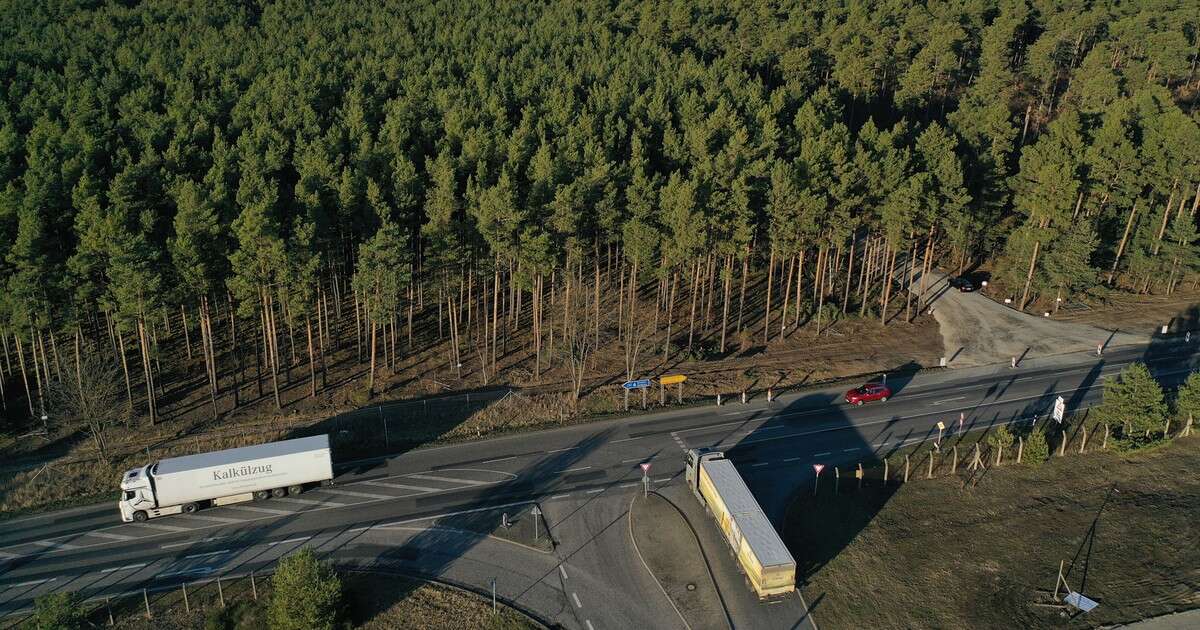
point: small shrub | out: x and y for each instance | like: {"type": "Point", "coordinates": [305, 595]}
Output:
{"type": "Point", "coordinates": [1001, 437]}
{"type": "Point", "coordinates": [307, 594]}
{"type": "Point", "coordinates": [58, 611]}
{"type": "Point", "coordinates": [1037, 449]}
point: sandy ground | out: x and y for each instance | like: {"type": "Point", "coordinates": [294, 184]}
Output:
{"type": "Point", "coordinates": [1179, 621]}
{"type": "Point", "coordinates": [977, 330]}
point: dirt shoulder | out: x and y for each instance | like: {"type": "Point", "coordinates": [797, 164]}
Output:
{"type": "Point", "coordinates": [943, 554]}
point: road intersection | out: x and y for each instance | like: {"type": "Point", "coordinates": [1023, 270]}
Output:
{"type": "Point", "coordinates": [379, 511]}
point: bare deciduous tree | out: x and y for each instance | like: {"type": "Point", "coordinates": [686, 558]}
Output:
{"type": "Point", "coordinates": [91, 402]}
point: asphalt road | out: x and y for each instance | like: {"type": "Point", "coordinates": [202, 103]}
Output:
{"type": "Point", "coordinates": [379, 511]}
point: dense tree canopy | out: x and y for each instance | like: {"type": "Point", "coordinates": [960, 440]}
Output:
{"type": "Point", "coordinates": [169, 154]}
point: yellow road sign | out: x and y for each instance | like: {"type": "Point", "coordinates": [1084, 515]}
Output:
{"type": "Point", "coordinates": [672, 379]}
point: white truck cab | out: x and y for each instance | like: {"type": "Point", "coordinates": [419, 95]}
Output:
{"type": "Point", "coordinates": [137, 495]}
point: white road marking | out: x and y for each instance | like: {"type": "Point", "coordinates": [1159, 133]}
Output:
{"type": "Point", "coordinates": [366, 495]}
{"type": "Point", "coordinates": [628, 485]}
{"type": "Point", "coordinates": [219, 519]}
{"type": "Point", "coordinates": [54, 545]}
{"type": "Point", "coordinates": [560, 450]}
{"type": "Point", "coordinates": [595, 491]}
{"type": "Point", "coordinates": [758, 464]}
{"type": "Point", "coordinates": [820, 454]}
{"type": "Point", "coordinates": [559, 472]}
{"type": "Point", "coordinates": [310, 502]}
{"type": "Point", "coordinates": [850, 450]}
{"type": "Point", "coordinates": [575, 597]}
{"type": "Point", "coordinates": [124, 568]}
{"type": "Point", "coordinates": [255, 508]}
{"type": "Point", "coordinates": [207, 554]}
{"type": "Point", "coordinates": [629, 439]}
{"type": "Point", "coordinates": [165, 528]}
{"type": "Point", "coordinates": [792, 459]}
{"type": "Point", "coordinates": [500, 459]}
{"type": "Point", "coordinates": [400, 486]}
{"type": "Point", "coordinates": [589, 624]}
{"type": "Point", "coordinates": [946, 400]}
{"type": "Point", "coordinates": [663, 480]}
{"type": "Point", "coordinates": [470, 482]}
{"type": "Point", "coordinates": [635, 459]}
{"type": "Point", "coordinates": [562, 571]}
{"type": "Point", "coordinates": [33, 582]}
{"type": "Point", "coordinates": [761, 429]}
{"type": "Point", "coordinates": [191, 542]}
{"type": "Point", "coordinates": [111, 536]}
{"type": "Point", "coordinates": [560, 496]}
{"type": "Point", "coordinates": [290, 540]}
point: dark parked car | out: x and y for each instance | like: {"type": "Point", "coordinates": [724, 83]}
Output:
{"type": "Point", "coordinates": [962, 284]}
{"type": "Point", "coordinates": [867, 393]}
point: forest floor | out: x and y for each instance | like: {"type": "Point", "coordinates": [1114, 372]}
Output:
{"type": "Point", "coordinates": [944, 553]}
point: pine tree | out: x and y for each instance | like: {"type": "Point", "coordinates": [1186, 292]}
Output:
{"type": "Point", "coordinates": [1133, 402]}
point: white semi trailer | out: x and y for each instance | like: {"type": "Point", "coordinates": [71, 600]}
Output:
{"type": "Point", "coordinates": [193, 482]}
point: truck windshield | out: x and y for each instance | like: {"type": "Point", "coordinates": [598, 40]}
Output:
{"type": "Point", "coordinates": [128, 495]}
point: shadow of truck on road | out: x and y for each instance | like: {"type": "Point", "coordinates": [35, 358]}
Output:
{"type": "Point", "coordinates": [776, 459]}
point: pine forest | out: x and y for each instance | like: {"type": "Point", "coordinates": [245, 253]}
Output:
{"type": "Point", "coordinates": [239, 199]}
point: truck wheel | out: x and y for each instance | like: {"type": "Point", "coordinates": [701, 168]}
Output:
{"type": "Point", "coordinates": [190, 508]}
{"type": "Point", "coordinates": [296, 489]}
{"type": "Point", "coordinates": [141, 516]}
{"type": "Point", "coordinates": [859, 402]}
{"type": "Point", "coordinates": [279, 493]}
{"type": "Point", "coordinates": [261, 495]}
{"type": "Point", "coordinates": [884, 399]}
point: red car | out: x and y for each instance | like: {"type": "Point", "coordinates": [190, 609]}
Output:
{"type": "Point", "coordinates": [867, 393]}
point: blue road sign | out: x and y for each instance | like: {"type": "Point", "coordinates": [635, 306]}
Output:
{"type": "Point", "coordinates": [639, 384]}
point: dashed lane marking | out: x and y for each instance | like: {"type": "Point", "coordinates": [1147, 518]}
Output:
{"type": "Point", "coordinates": [111, 536]}
{"type": "Point", "coordinates": [470, 482]}
{"type": "Point", "coordinates": [400, 486]}
{"type": "Point", "coordinates": [263, 510]}
{"type": "Point", "coordinates": [559, 472]}
{"type": "Point", "coordinates": [758, 464]}
{"type": "Point", "coordinates": [820, 454]}
{"type": "Point", "coordinates": [290, 540]}
{"type": "Point", "coordinates": [499, 459]}
{"type": "Point", "coordinates": [850, 450]}
{"type": "Point", "coordinates": [165, 528]}
{"type": "Point", "coordinates": [560, 450]}
{"type": "Point", "coordinates": [366, 495]}
{"type": "Point", "coordinates": [792, 459]}
{"type": "Point", "coordinates": [662, 480]}
{"type": "Point", "coordinates": [54, 545]}
{"type": "Point", "coordinates": [124, 568]}
{"type": "Point", "coordinates": [560, 496]}
{"type": "Point", "coordinates": [595, 491]}
{"type": "Point", "coordinates": [33, 582]}
{"type": "Point", "coordinates": [311, 502]}
{"type": "Point", "coordinates": [562, 571]}
{"type": "Point", "coordinates": [589, 624]}
{"type": "Point", "coordinates": [192, 542]}
{"type": "Point", "coordinates": [575, 597]}
{"type": "Point", "coordinates": [219, 519]}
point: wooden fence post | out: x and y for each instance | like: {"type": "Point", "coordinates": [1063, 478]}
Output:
{"type": "Point", "coordinates": [999, 453]}
{"type": "Point", "coordinates": [929, 475]}
{"type": "Point", "coordinates": [108, 606]}
{"type": "Point", "coordinates": [885, 471]}
{"type": "Point", "coordinates": [1062, 446]}
{"type": "Point", "coordinates": [1104, 442]}
{"type": "Point", "coordinates": [976, 461]}
{"type": "Point", "coordinates": [1082, 440]}
{"type": "Point", "coordinates": [146, 600]}
{"type": "Point", "coordinates": [1167, 428]}
{"type": "Point", "coordinates": [837, 480]}
{"type": "Point", "coordinates": [905, 468]}
{"type": "Point", "coordinates": [954, 460]}
{"type": "Point", "coordinates": [220, 592]}
{"type": "Point", "coordinates": [1020, 448]}
{"type": "Point", "coordinates": [253, 587]}
{"type": "Point", "coordinates": [186, 607]}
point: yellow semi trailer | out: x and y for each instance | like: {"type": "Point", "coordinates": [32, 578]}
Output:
{"type": "Point", "coordinates": [767, 564]}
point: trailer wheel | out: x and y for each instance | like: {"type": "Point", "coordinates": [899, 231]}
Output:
{"type": "Point", "coordinates": [261, 495]}
{"type": "Point", "coordinates": [279, 493]}
{"type": "Point", "coordinates": [141, 516]}
{"type": "Point", "coordinates": [296, 489]}
{"type": "Point", "coordinates": [190, 508]}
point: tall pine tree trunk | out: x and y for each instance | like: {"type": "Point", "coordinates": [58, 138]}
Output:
{"type": "Point", "coordinates": [1112, 272]}
{"type": "Point", "coordinates": [725, 301]}
{"type": "Point", "coordinates": [25, 375]}
{"type": "Point", "coordinates": [767, 308]}
{"type": "Point", "coordinates": [787, 295]}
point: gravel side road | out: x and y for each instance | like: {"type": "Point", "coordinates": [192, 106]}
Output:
{"type": "Point", "coordinates": [977, 330]}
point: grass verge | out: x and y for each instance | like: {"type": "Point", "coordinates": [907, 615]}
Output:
{"type": "Point", "coordinates": [948, 552]}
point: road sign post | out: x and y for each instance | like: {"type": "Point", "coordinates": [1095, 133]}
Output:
{"type": "Point", "coordinates": [817, 480]}
{"type": "Point", "coordinates": [941, 426]}
{"type": "Point", "coordinates": [1060, 408]}
{"type": "Point", "coordinates": [962, 417]}
{"type": "Point", "coordinates": [536, 513]}
{"type": "Point", "coordinates": [645, 479]}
